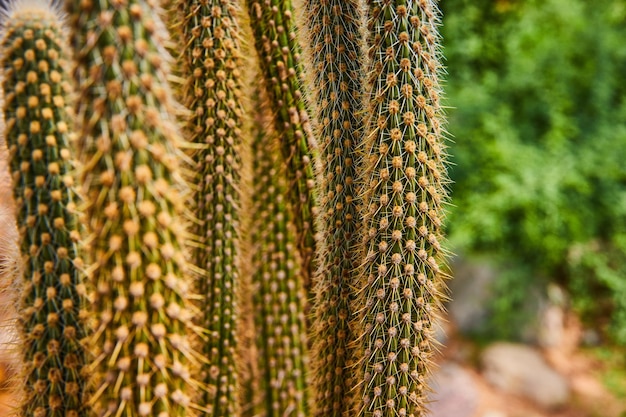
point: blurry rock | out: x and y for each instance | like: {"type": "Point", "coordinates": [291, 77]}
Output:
{"type": "Point", "coordinates": [454, 392]}
{"type": "Point", "coordinates": [526, 413]}
{"type": "Point", "coordinates": [551, 328]}
{"type": "Point", "coordinates": [491, 413]}
{"type": "Point", "coordinates": [470, 290]}
{"type": "Point", "coordinates": [520, 370]}
{"type": "Point", "coordinates": [552, 318]}
{"type": "Point", "coordinates": [591, 337]}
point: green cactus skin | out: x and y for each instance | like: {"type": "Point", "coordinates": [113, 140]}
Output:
{"type": "Point", "coordinates": [136, 192]}
{"type": "Point", "coordinates": [212, 58]}
{"type": "Point", "coordinates": [273, 27]}
{"type": "Point", "coordinates": [277, 287]}
{"type": "Point", "coordinates": [38, 130]}
{"type": "Point", "coordinates": [334, 32]}
{"type": "Point", "coordinates": [405, 180]}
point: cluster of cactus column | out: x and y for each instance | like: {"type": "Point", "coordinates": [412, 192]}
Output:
{"type": "Point", "coordinates": [297, 177]}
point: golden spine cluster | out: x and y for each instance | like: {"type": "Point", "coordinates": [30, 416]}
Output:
{"type": "Point", "coordinates": [38, 132]}
{"type": "Point", "coordinates": [405, 180]}
{"type": "Point", "coordinates": [212, 93]}
{"type": "Point", "coordinates": [136, 197]}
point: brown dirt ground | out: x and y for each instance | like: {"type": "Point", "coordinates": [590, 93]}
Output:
{"type": "Point", "coordinates": [590, 398]}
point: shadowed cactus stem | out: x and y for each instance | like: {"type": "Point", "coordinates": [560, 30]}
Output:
{"type": "Point", "coordinates": [273, 27]}
{"type": "Point", "coordinates": [136, 196]}
{"type": "Point", "coordinates": [279, 297]}
{"type": "Point", "coordinates": [38, 131]}
{"type": "Point", "coordinates": [334, 47]}
{"type": "Point", "coordinates": [405, 189]}
{"type": "Point", "coordinates": [212, 92]}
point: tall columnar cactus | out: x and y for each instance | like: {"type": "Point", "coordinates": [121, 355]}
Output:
{"type": "Point", "coordinates": [278, 293]}
{"type": "Point", "coordinates": [38, 132]}
{"type": "Point", "coordinates": [212, 93]}
{"type": "Point", "coordinates": [335, 50]}
{"type": "Point", "coordinates": [405, 179]}
{"type": "Point", "coordinates": [136, 197]}
{"type": "Point", "coordinates": [273, 26]}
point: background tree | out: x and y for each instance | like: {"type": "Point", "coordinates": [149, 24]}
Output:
{"type": "Point", "coordinates": [537, 99]}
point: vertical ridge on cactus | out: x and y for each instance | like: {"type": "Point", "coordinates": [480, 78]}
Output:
{"type": "Point", "coordinates": [136, 193]}
{"type": "Point", "coordinates": [273, 27]}
{"type": "Point", "coordinates": [405, 180]}
{"type": "Point", "coordinates": [38, 130]}
{"type": "Point", "coordinates": [278, 293]}
{"type": "Point", "coordinates": [212, 92]}
{"type": "Point", "coordinates": [335, 48]}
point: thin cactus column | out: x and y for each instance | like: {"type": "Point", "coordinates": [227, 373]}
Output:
{"type": "Point", "coordinates": [335, 49]}
{"type": "Point", "coordinates": [136, 194]}
{"type": "Point", "coordinates": [38, 130]}
{"type": "Point", "coordinates": [212, 92]}
{"type": "Point", "coordinates": [278, 293]}
{"type": "Point", "coordinates": [405, 178]}
{"type": "Point", "coordinates": [273, 26]}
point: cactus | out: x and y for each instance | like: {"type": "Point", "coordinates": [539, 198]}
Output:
{"type": "Point", "coordinates": [136, 192]}
{"type": "Point", "coordinates": [277, 288]}
{"type": "Point", "coordinates": [334, 49]}
{"type": "Point", "coordinates": [134, 181]}
{"type": "Point", "coordinates": [405, 180]}
{"type": "Point", "coordinates": [273, 27]}
{"type": "Point", "coordinates": [212, 93]}
{"type": "Point", "coordinates": [38, 131]}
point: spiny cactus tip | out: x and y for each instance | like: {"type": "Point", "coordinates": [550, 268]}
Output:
{"type": "Point", "coordinates": [35, 8]}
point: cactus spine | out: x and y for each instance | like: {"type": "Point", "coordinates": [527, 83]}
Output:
{"type": "Point", "coordinates": [273, 27]}
{"type": "Point", "coordinates": [405, 180]}
{"type": "Point", "coordinates": [212, 58]}
{"type": "Point", "coordinates": [278, 292]}
{"type": "Point", "coordinates": [38, 134]}
{"type": "Point", "coordinates": [335, 49]}
{"type": "Point", "coordinates": [136, 197]}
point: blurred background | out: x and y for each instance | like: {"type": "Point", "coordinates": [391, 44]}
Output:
{"type": "Point", "coordinates": [537, 118]}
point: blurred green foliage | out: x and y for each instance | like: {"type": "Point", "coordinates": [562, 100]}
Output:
{"type": "Point", "coordinates": [537, 90]}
